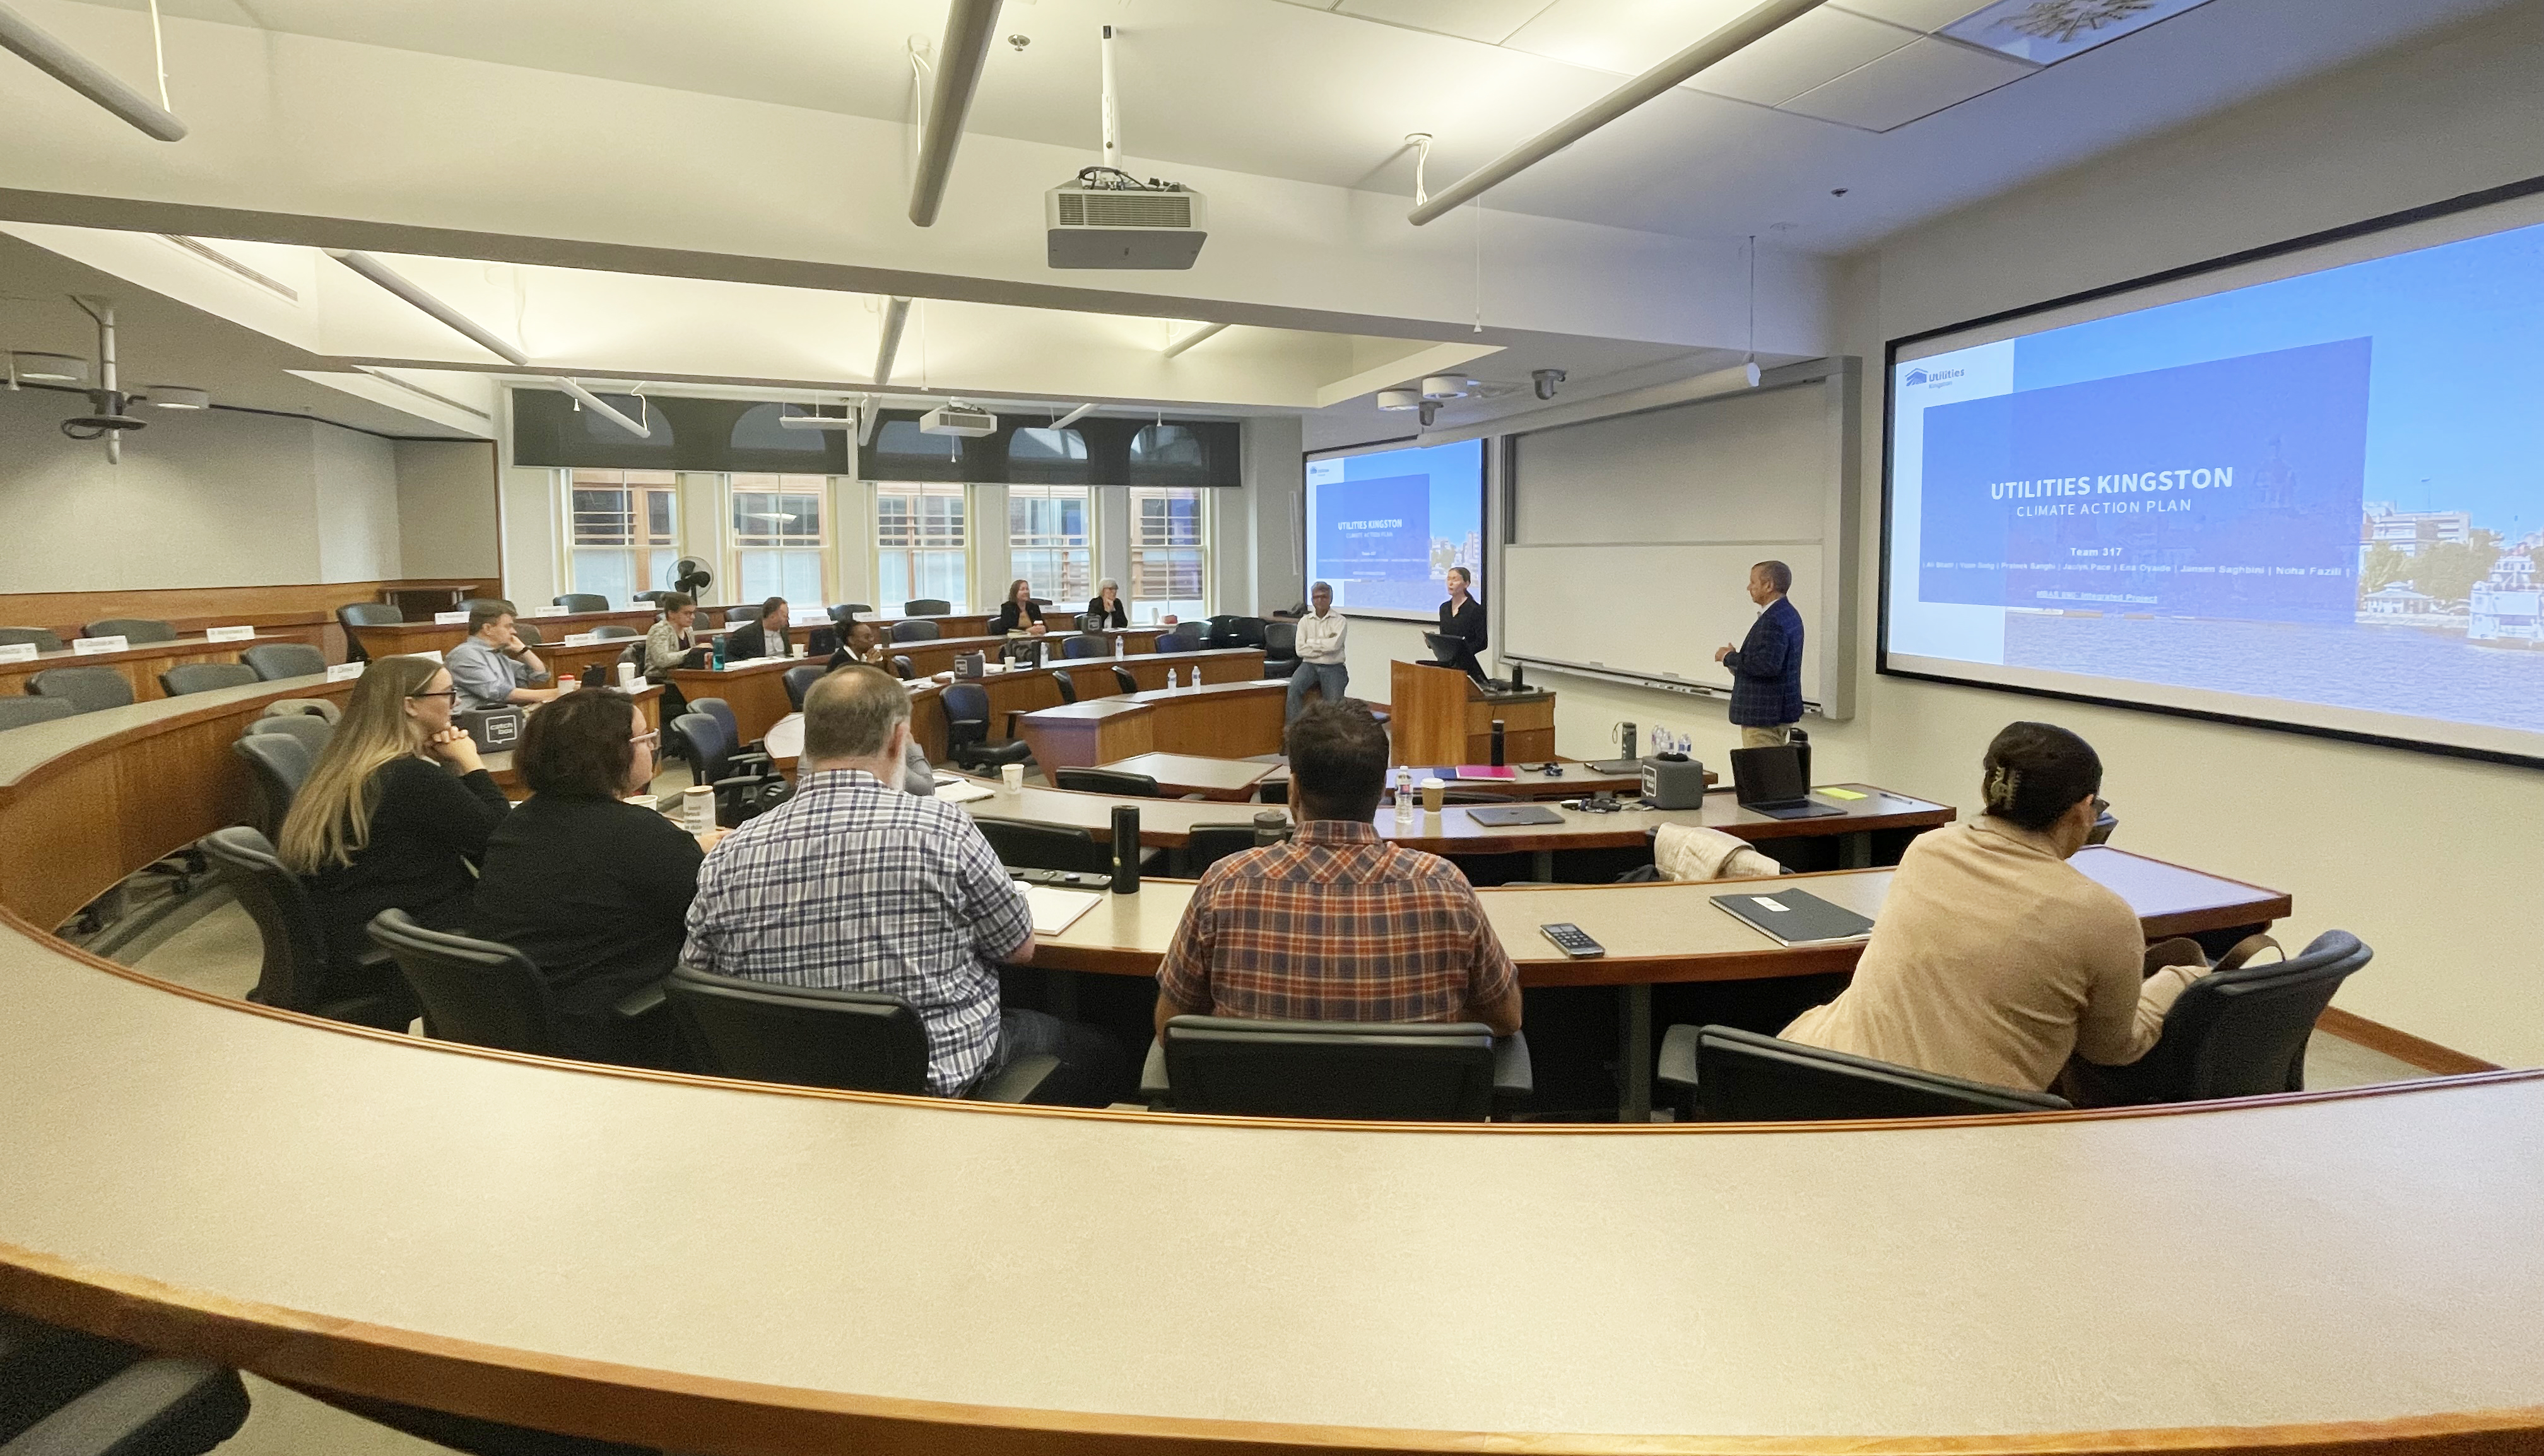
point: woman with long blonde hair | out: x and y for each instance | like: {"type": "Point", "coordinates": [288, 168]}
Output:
{"type": "Point", "coordinates": [1018, 613]}
{"type": "Point", "coordinates": [395, 811]}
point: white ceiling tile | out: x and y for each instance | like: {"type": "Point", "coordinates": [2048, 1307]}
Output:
{"type": "Point", "coordinates": [1812, 51]}
{"type": "Point", "coordinates": [1913, 81]}
{"type": "Point", "coordinates": [1488, 21]}
{"type": "Point", "coordinates": [1626, 36]}
{"type": "Point", "coordinates": [1921, 15]}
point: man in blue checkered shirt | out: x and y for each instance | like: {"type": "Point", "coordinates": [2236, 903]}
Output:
{"type": "Point", "coordinates": [853, 885]}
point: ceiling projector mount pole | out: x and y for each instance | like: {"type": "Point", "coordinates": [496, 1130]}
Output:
{"type": "Point", "coordinates": [1761, 22]}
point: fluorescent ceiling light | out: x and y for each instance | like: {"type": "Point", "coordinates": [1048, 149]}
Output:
{"type": "Point", "coordinates": [176, 397]}
{"type": "Point", "coordinates": [47, 368]}
{"type": "Point", "coordinates": [2046, 32]}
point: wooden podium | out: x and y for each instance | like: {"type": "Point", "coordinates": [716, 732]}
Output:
{"type": "Point", "coordinates": [1439, 715]}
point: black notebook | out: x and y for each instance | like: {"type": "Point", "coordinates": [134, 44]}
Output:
{"type": "Point", "coordinates": [1513, 814]}
{"type": "Point", "coordinates": [1795, 917]}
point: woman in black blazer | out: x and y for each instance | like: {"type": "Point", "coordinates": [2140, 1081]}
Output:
{"type": "Point", "coordinates": [1018, 613]}
{"type": "Point", "coordinates": [1106, 609]}
{"type": "Point", "coordinates": [1463, 617]}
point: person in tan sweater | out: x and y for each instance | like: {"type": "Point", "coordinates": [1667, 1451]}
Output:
{"type": "Point", "coordinates": [1993, 958]}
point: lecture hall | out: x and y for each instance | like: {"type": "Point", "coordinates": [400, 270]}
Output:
{"type": "Point", "coordinates": [1599, 727]}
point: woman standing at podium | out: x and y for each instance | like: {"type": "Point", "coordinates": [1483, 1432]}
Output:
{"type": "Point", "coordinates": [1463, 617]}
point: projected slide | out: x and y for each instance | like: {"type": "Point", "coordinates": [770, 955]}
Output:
{"type": "Point", "coordinates": [1384, 526]}
{"type": "Point", "coordinates": [2316, 499]}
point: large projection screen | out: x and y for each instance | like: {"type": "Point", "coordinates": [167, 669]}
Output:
{"type": "Point", "coordinates": [2303, 489]}
{"type": "Point", "coordinates": [1386, 522]}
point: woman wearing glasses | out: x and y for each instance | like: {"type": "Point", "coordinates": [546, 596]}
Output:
{"type": "Point", "coordinates": [595, 891]}
{"type": "Point", "coordinates": [393, 814]}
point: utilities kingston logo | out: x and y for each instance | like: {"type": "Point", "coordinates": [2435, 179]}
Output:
{"type": "Point", "coordinates": [1916, 377]}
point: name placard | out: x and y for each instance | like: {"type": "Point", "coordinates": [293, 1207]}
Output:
{"type": "Point", "coordinates": [229, 633]}
{"type": "Point", "coordinates": [17, 652]}
{"type": "Point", "coordinates": [344, 671]}
{"type": "Point", "coordinates": [88, 647]}
{"type": "Point", "coordinates": [548, 611]}
{"type": "Point", "coordinates": [584, 639]}
{"type": "Point", "coordinates": [447, 619]}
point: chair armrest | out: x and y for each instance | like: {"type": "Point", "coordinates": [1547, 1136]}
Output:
{"type": "Point", "coordinates": [644, 1001]}
{"type": "Point", "coordinates": [1016, 1081]}
{"type": "Point", "coordinates": [749, 757]}
{"type": "Point", "coordinates": [1678, 1059]}
{"type": "Point", "coordinates": [157, 1405]}
{"type": "Point", "coordinates": [1152, 1075]}
{"type": "Point", "coordinates": [1514, 1079]}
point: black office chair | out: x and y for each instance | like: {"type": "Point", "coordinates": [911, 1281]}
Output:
{"type": "Point", "coordinates": [324, 708]}
{"type": "Point", "coordinates": [901, 665]}
{"type": "Point", "coordinates": [2233, 1033]}
{"type": "Point", "coordinates": [1727, 1075]}
{"type": "Point", "coordinates": [204, 677]}
{"type": "Point", "coordinates": [1206, 845]}
{"type": "Point", "coordinates": [1065, 686]}
{"type": "Point", "coordinates": [1107, 781]}
{"type": "Point", "coordinates": [531, 636]}
{"type": "Point", "coordinates": [1167, 642]}
{"type": "Point", "coordinates": [582, 601]}
{"type": "Point", "coordinates": [1085, 645]}
{"type": "Point", "coordinates": [656, 597]}
{"type": "Point", "coordinates": [1028, 844]}
{"type": "Point", "coordinates": [22, 709]}
{"type": "Point", "coordinates": [355, 614]}
{"type": "Point", "coordinates": [807, 1036]}
{"type": "Point", "coordinates": [300, 971]}
{"type": "Point", "coordinates": [608, 631]}
{"type": "Point", "coordinates": [312, 730]}
{"type": "Point", "coordinates": [722, 712]}
{"type": "Point", "coordinates": [37, 637]}
{"type": "Point", "coordinates": [847, 612]}
{"type": "Point", "coordinates": [479, 603]}
{"type": "Point", "coordinates": [744, 782]}
{"type": "Point", "coordinates": [273, 660]}
{"type": "Point", "coordinates": [86, 689]}
{"type": "Point", "coordinates": [1125, 679]}
{"type": "Point", "coordinates": [799, 680]}
{"type": "Point", "coordinates": [1393, 1071]}
{"type": "Point", "coordinates": [473, 991]}
{"type": "Point", "coordinates": [1280, 649]}
{"type": "Point", "coordinates": [1221, 630]}
{"type": "Point", "coordinates": [2106, 825]}
{"type": "Point", "coordinates": [276, 764]}
{"type": "Point", "coordinates": [1190, 636]}
{"type": "Point", "coordinates": [63, 1393]}
{"type": "Point", "coordinates": [134, 630]}
{"type": "Point", "coordinates": [736, 616]}
{"type": "Point", "coordinates": [967, 730]}
{"type": "Point", "coordinates": [927, 606]}
{"type": "Point", "coordinates": [908, 630]}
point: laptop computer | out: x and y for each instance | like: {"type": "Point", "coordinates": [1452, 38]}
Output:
{"type": "Point", "coordinates": [1768, 780]}
{"type": "Point", "coordinates": [1511, 815]}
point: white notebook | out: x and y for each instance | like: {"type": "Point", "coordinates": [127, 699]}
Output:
{"type": "Point", "coordinates": [963, 791]}
{"type": "Point", "coordinates": [1056, 909]}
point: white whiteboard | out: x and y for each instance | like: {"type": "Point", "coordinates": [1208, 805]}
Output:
{"type": "Point", "coordinates": [1560, 607]}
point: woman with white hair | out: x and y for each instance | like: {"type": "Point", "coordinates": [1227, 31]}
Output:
{"type": "Point", "coordinates": [1106, 611]}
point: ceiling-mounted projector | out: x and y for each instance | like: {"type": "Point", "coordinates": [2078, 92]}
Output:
{"type": "Point", "coordinates": [960, 420]}
{"type": "Point", "coordinates": [1104, 219]}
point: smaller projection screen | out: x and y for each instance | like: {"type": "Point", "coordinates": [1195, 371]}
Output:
{"type": "Point", "coordinates": [1385, 523]}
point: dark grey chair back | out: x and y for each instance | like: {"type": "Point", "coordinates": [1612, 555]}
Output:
{"type": "Point", "coordinates": [902, 666]}
{"type": "Point", "coordinates": [722, 712]}
{"type": "Point", "coordinates": [204, 677]}
{"type": "Point", "coordinates": [1026, 844]}
{"type": "Point", "coordinates": [471, 990]}
{"type": "Point", "coordinates": [531, 634]}
{"type": "Point", "coordinates": [1125, 679]}
{"type": "Point", "coordinates": [1280, 641]}
{"type": "Point", "coordinates": [914, 631]}
{"type": "Point", "coordinates": [1745, 1077]}
{"type": "Point", "coordinates": [799, 680]}
{"type": "Point", "coordinates": [22, 709]}
{"type": "Point", "coordinates": [708, 743]}
{"type": "Point", "coordinates": [1425, 1071]}
{"type": "Point", "coordinates": [324, 708]}
{"type": "Point", "coordinates": [473, 603]}
{"type": "Point", "coordinates": [276, 764]}
{"type": "Point", "coordinates": [736, 616]}
{"type": "Point", "coordinates": [1087, 645]}
{"type": "Point", "coordinates": [927, 606]}
{"type": "Point", "coordinates": [1206, 845]}
{"type": "Point", "coordinates": [1190, 636]}
{"type": "Point", "coordinates": [1106, 781]}
{"type": "Point", "coordinates": [300, 971]}
{"type": "Point", "coordinates": [86, 689]}
{"type": "Point", "coordinates": [40, 638]}
{"type": "Point", "coordinates": [134, 630]}
{"type": "Point", "coordinates": [270, 660]}
{"type": "Point", "coordinates": [847, 612]}
{"type": "Point", "coordinates": [312, 730]}
{"type": "Point", "coordinates": [1066, 685]}
{"type": "Point", "coordinates": [2240, 1032]}
{"type": "Point", "coordinates": [856, 1040]}
{"type": "Point", "coordinates": [364, 614]}
{"type": "Point", "coordinates": [582, 601]}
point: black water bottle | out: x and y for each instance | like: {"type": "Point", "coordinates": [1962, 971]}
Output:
{"type": "Point", "coordinates": [1801, 742]}
{"type": "Point", "coordinates": [1497, 743]}
{"type": "Point", "coordinates": [1126, 848]}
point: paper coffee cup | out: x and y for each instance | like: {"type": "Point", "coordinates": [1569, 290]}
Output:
{"type": "Point", "coordinates": [798, 650]}
{"type": "Point", "coordinates": [1014, 774]}
{"type": "Point", "coordinates": [627, 677]}
{"type": "Point", "coordinates": [697, 808]}
{"type": "Point", "coordinates": [1432, 791]}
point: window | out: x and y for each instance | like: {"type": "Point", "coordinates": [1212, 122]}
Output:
{"type": "Point", "coordinates": [780, 537]}
{"type": "Point", "coordinates": [921, 546]}
{"type": "Point", "coordinates": [1166, 554]}
{"type": "Point", "coordinates": [1049, 541]}
{"type": "Point", "coordinates": [623, 530]}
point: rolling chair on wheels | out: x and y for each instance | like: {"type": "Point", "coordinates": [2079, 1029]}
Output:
{"type": "Point", "coordinates": [1396, 1071]}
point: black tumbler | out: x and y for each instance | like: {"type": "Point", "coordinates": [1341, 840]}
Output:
{"type": "Point", "coordinates": [1271, 827]}
{"type": "Point", "coordinates": [1126, 848]}
{"type": "Point", "coordinates": [1497, 743]}
{"type": "Point", "coordinates": [1801, 742]}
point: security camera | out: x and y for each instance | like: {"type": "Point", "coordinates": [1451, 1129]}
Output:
{"type": "Point", "coordinates": [1430, 413]}
{"type": "Point", "coordinates": [1545, 380]}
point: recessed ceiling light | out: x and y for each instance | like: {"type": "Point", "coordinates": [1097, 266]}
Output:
{"type": "Point", "coordinates": [2046, 32]}
{"type": "Point", "coordinates": [47, 368]}
{"type": "Point", "coordinates": [176, 397]}
{"type": "Point", "coordinates": [1447, 387]}
{"type": "Point", "coordinates": [1399, 399]}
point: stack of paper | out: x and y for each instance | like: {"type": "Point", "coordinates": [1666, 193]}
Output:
{"type": "Point", "coordinates": [1054, 910]}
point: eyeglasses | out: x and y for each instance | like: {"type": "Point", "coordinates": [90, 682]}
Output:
{"type": "Point", "coordinates": [451, 693]}
{"type": "Point", "coordinates": [649, 739]}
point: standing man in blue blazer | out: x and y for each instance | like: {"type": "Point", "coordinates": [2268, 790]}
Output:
{"type": "Point", "coordinates": [1767, 669]}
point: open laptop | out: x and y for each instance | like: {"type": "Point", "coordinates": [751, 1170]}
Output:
{"type": "Point", "coordinates": [1768, 780]}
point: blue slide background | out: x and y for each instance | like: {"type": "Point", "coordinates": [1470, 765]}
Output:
{"type": "Point", "coordinates": [1434, 497]}
{"type": "Point", "coordinates": [2023, 507]}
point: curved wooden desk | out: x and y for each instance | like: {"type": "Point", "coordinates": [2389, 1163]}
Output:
{"type": "Point", "coordinates": [718, 1268]}
{"type": "Point", "coordinates": [141, 664]}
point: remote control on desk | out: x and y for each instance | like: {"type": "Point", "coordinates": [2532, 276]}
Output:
{"type": "Point", "coordinates": [1572, 941]}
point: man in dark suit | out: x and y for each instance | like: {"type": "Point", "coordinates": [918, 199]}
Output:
{"type": "Point", "coordinates": [766, 637]}
{"type": "Point", "coordinates": [1767, 667]}
{"type": "Point", "coordinates": [1463, 617]}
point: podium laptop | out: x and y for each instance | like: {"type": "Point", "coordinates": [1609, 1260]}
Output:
{"type": "Point", "coordinates": [1768, 780]}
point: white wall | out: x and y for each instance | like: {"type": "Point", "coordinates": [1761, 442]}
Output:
{"type": "Point", "coordinates": [2437, 862]}
{"type": "Point", "coordinates": [353, 480]}
{"type": "Point", "coordinates": [445, 508]}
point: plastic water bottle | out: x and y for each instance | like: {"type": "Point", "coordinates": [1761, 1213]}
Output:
{"type": "Point", "coordinates": [1117, 647]}
{"type": "Point", "coordinates": [1403, 795]}
{"type": "Point", "coordinates": [723, 645]}
{"type": "Point", "coordinates": [1170, 679]}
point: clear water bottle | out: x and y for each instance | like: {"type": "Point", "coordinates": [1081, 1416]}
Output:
{"type": "Point", "coordinates": [1170, 679]}
{"type": "Point", "coordinates": [1117, 647]}
{"type": "Point", "coordinates": [1403, 795]}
